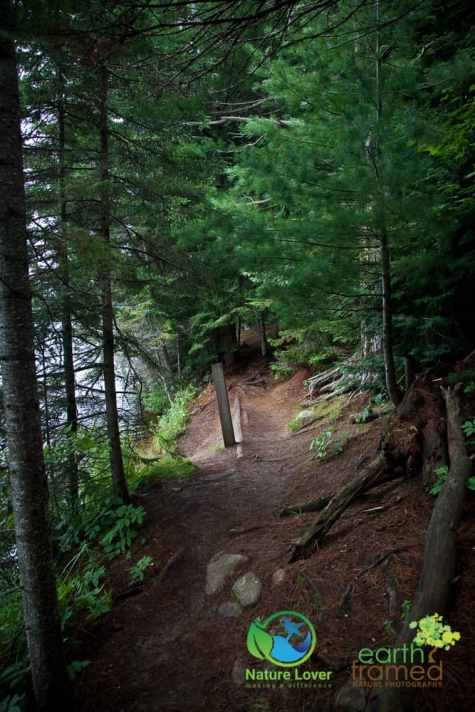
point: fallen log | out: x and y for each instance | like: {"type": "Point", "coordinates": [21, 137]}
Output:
{"type": "Point", "coordinates": [169, 563]}
{"type": "Point", "coordinates": [338, 504]}
{"type": "Point", "coordinates": [314, 506]}
{"type": "Point", "coordinates": [254, 382]}
{"type": "Point", "coordinates": [434, 592]}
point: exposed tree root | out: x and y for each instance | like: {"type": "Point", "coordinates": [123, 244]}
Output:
{"type": "Point", "coordinates": [382, 557]}
{"type": "Point", "coordinates": [338, 504]}
{"type": "Point", "coordinates": [434, 593]}
{"type": "Point", "coordinates": [314, 506]}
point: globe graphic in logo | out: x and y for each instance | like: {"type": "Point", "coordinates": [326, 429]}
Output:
{"type": "Point", "coordinates": [286, 638]}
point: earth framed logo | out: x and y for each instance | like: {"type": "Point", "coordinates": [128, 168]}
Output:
{"type": "Point", "coordinates": [286, 639]}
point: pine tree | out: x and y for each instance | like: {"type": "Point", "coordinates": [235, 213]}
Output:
{"type": "Point", "coordinates": [52, 689]}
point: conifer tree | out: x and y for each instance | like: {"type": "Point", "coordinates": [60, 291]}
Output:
{"type": "Point", "coordinates": [51, 686]}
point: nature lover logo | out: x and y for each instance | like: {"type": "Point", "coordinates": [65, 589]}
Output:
{"type": "Point", "coordinates": [285, 638]}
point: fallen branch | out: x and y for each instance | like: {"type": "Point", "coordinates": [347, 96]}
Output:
{"type": "Point", "coordinates": [133, 590]}
{"type": "Point", "coordinates": [358, 418]}
{"type": "Point", "coordinates": [202, 407]}
{"type": "Point", "coordinates": [340, 502]}
{"type": "Point", "coordinates": [169, 563]}
{"type": "Point", "coordinates": [315, 506]}
{"type": "Point", "coordinates": [309, 422]}
{"type": "Point", "coordinates": [344, 599]}
{"type": "Point", "coordinates": [255, 381]}
{"type": "Point", "coordinates": [316, 595]}
{"type": "Point", "coordinates": [382, 557]}
{"type": "Point", "coordinates": [244, 530]}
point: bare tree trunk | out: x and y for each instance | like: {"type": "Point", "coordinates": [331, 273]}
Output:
{"type": "Point", "coordinates": [388, 353]}
{"type": "Point", "coordinates": [66, 320]}
{"type": "Point", "coordinates": [112, 417]}
{"type": "Point", "coordinates": [389, 367]}
{"type": "Point", "coordinates": [51, 685]}
{"type": "Point", "coordinates": [262, 332]}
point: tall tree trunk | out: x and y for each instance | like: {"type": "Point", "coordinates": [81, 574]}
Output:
{"type": "Point", "coordinates": [262, 333]}
{"type": "Point", "coordinates": [394, 392]}
{"type": "Point", "coordinates": [66, 320]}
{"type": "Point", "coordinates": [51, 685]}
{"type": "Point", "coordinates": [112, 417]}
{"type": "Point", "coordinates": [389, 366]}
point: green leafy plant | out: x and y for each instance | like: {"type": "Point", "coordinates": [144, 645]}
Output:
{"type": "Point", "coordinates": [405, 609]}
{"type": "Point", "coordinates": [320, 445]}
{"type": "Point", "coordinates": [388, 627]}
{"type": "Point", "coordinates": [364, 415]}
{"type": "Point", "coordinates": [14, 679]}
{"type": "Point", "coordinates": [281, 369]}
{"type": "Point", "coordinates": [80, 587]}
{"type": "Point", "coordinates": [469, 388]}
{"type": "Point", "coordinates": [337, 447]}
{"type": "Point", "coordinates": [173, 421]}
{"type": "Point", "coordinates": [109, 522]}
{"type": "Point", "coordinates": [137, 572]}
{"type": "Point", "coordinates": [76, 666]}
{"type": "Point", "coordinates": [120, 535]}
{"type": "Point", "coordinates": [12, 703]}
{"type": "Point", "coordinates": [469, 429]}
{"type": "Point", "coordinates": [323, 446]}
{"type": "Point", "coordinates": [441, 473]}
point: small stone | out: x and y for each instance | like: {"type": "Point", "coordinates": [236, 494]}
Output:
{"type": "Point", "coordinates": [304, 414]}
{"type": "Point", "coordinates": [238, 675]}
{"type": "Point", "coordinates": [350, 699]}
{"type": "Point", "coordinates": [230, 609]}
{"type": "Point", "coordinates": [248, 589]}
{"type": "Point", "coordinates": [278, 576]}
{"type": "Point", "coordinates": [219, 568]}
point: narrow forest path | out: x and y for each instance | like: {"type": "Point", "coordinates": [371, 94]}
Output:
{"type": "Point", "coordinates": [170, 648]}
{"type": "Point", "coordinates": [172, 643]}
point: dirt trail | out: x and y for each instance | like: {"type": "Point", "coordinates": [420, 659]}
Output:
{"type": "Point", "coordinates": [168, 648]}
{"type": "Point", "coordinates": [163, 633]}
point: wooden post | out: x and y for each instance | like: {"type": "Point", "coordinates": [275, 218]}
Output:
{"type": "Point", "coordinates": [237, 425]}
{"type": "Point", "coordinates": [223, 404]}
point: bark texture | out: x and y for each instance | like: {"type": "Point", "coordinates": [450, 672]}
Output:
{"type": "Point", "coordinates": [51, 684]}
{"type": "Point", "coordinates": [112, 416]}
{"type": "Point", "coordinates": [66, 318]}
{"type": "Point", "coordinates": [389, 366]}
{"type": "Point", "coordinates": [434, 592]}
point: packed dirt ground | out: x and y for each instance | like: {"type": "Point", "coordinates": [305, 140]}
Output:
{"type": "Point", "coordinates": [168, 647]}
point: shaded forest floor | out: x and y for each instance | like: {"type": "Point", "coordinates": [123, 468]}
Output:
{"type": "Point", "coordinates": [168, 647]}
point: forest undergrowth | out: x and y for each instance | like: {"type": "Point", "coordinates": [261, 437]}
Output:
{"type": "Point", "coordinates": [164, 644]}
